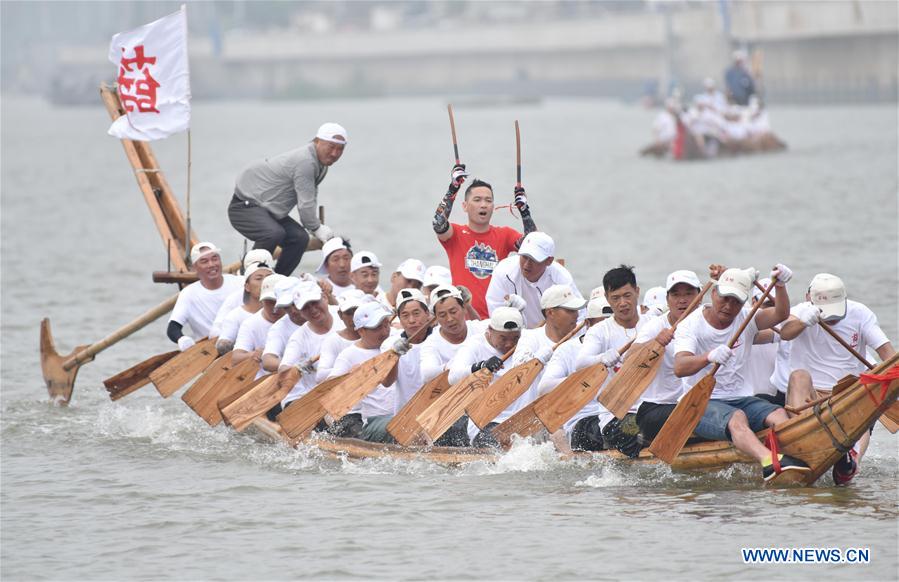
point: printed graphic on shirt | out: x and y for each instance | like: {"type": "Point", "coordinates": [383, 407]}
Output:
{"type": "Point", "coordinates": [480, 260]}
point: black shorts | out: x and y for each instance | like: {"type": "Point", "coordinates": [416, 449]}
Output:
{"type": "Point", "coordinates": [778, 399]}
{"type": "Point", "coordinates": [587, 436]}
{"type": "Point", "coordinates": [651, 417]}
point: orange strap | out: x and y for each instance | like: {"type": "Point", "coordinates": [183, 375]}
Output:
{"type": "Point", "coordinates": [883, 379]}
{"type": "Point", "coordinates": [771, 443]}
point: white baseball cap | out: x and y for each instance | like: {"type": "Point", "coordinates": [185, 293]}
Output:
{"type": "Point", "coordinates": [370, 315]}
{"type": "Point", "coordinates": [437, 275]}
{"type": "Point", "coordinates": [598, 307]}
{"type": "Point", "coordinates": [333, 244]}
{"type": "Point", "coordinates": [332, 132]}
{"type": "Point", "coordinates": [828, 293]}
{"type": "Point", "coordinates": [538, 246]}
{"type": "Point", "coordinates": [253, 267]}
{"type": "Point", "coordinates": [258, 256]}
{"type": "Point", "coordinates": [352, 299]}
{"type": "Point", "coordinates": [655, 296]}
{"type": "Point", "coordinates": [441, 292]}
{"type": "Point", "coordinates": [268, 286]}
{"type": "Point", "coordinates": [561, 296]}
{"type": "Point", "coordinates": [735, 283]}
{"type": "Point", "coordinates": [410, 294]}
{"type": "Point", "coordinates": [364, 259]}
{"type": "Point", "coordinates": [284, 291]}
{"type": "Point", "coordinates": [412, 269]}
{"type": "Point", "coordinates": [598, 292]}
{"type": "Point", "coordinates": [201, 249]}
{"type": "Point", "coordinates": [684, 276]}
{"type": "Point", "coordinates": [306, 293]}
{"type": "Point", "coordinates": [506, 319]}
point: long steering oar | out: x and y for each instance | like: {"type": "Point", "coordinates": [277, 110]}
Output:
{"type": "Point", "coordinates": [59, 371]}
{"type": "Point", "coordinates": [403, 426]}
{"type": "Point", "coordinates": [452, 120]}
{"type": "Point", "coordinates": [362, 381]}
{"type": "Point", "coordinates": [639, 369]}
{"type": "Point", "coordinates": [689, 410]}
{"type": "Point", "coordinates": [256, 402]}
{"type": "Point", "coordinates": [517, 155]}
{"type": "Point", "coordinates": [510, 386]}
{"type": "Point", "coordinates": [135, 377]}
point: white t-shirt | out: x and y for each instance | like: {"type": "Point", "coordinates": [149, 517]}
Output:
{"type": "Point", "coordinates": [279, 335]}
{"type": "Point", "coordinates": [197, 306]}
{"type": "Point", "coordinates": [603, 336]}
{"type": "Point", "coordinates": [380, 401]}
{"type": "Point", "coordinates": [824, 358]}
{"type": "Point", "coordinates": [561, 365]}
{"type": "Point", "coordinates": [251, 335]}
{"type": "Point", "coordinates": [231, 323]}
{"type": "Point", "coordinates": [408, 377]}
{"type": "Point", "coordinates": [508, 279]}
{"type": "Point", "coordinates": [696, 336]}
{"type": "Point", "coordinates": [437, 351]}
{"type": "Point", "coordinates": [665, 388]}
{"type": "Point", "coordinates": [780, 377]}
{"type": "Point", "coordinates": [234, 299]}
{"type": "Point", "coordinates": [304, 344]}
{"type": "Point", "coordinates": [338, 290]}
{"type": "Point", "coordinates": [330, 349]}
{"type": "Point", "coordinates": [760, 367]}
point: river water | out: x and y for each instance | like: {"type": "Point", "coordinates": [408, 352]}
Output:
{"type": "Point", "coordinates": [143, 489]}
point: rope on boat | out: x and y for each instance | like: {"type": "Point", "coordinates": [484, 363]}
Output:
{"type": "Point", "coordinates": [846, 445]}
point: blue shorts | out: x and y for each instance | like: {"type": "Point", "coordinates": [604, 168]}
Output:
{"type": "Point", "coordinates": [713, 424]}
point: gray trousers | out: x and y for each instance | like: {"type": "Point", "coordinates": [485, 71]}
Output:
{"type": "Point", "coordinates": [267, 232]}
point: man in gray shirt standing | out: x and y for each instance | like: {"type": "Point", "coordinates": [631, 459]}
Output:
{"type": "Point", "coordinates": [267, 190]}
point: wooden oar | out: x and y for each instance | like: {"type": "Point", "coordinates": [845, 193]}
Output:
{"type": "Point", "coordinates": [60, 371]}
{"type": "Point", "coordinates": [303, 414]}
{"type": "Point", "coordinates": [135, 377]}
{"type": "Point", "coordinates": [517, 156]}
{"type": "Point", "coordinates": [511, 385]}
{"type": "Point", "coordinates": [171, 376]}
{"type": "Point", "coordinates": [238, 377]}
{"type": "Point", "coordinates": [211, 376]}
{"type": "Point", "coordinates": [689, 410]}
{"type": "Point", "coordinates": [639, 369]}
{"type": "Point", "coordinates": [452, 119]}
{"type": "Point", "coordinates": [227, 401]}
{"type": "Point", "coordinates": [254, 403]}
{"type": "Point", "coordinates": [402, 426]}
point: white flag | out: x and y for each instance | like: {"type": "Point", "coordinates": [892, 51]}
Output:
{"type": "Point", "coordinates": [153, 79]}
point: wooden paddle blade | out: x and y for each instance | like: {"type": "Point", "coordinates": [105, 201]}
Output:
{"type": "Point", "coordinates": [556, 407]}
{"type": "Point", "coordinates": [524, 423]}
{"type": "Point", "coordinates": [359, 384]}
{"type": "Point", "coordinates": [135, 377]}
{"type": "Point", "coordinates": [211, 376]}
{"type": "Point", "coordinates": [260, 399]}
{"type": "Point", "coordinates": [229, 400]}
{"type": "Point", "coordinates": [238, 377]}
{"type": "Point", "coordinates": [400, 426]}
{"type": "Point", "coordinates": [171, 376]}
{"type": "Point", "coordinates": [301, 415]}
{"type": "Point", "coordinates": [449, 407]}
{"type": "Point", "coordinates": [634, 377]}
{"type": "Point", "coordinates": [503, 392]}
{"type": "Point", "coordinates": [59, 381]}
{"type": "Point", "coordinates": [683, 420]}
{"type": "Point", "coordinates": [890, 418]}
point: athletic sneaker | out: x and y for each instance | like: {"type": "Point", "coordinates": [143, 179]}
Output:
{"type": "Point", "coordinates": [846, 468]}
{"type": "Point", "coordinates": [787, 463]}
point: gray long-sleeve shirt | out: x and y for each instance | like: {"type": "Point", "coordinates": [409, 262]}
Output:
{"type": "Point", "coordinates": [281, 182]}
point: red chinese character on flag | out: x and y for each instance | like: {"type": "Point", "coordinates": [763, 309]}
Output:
{"type": "Point", "coordinates": [137, 87]}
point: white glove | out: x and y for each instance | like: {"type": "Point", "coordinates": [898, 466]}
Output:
{"type": "Point", "coordinates": [720, 355]}
{"type": "Point", "coordinates": [516, 301]}
{"type": "Point", "coordinates": [544, 354]}
{"type": "Point", "coordinates": [401, 346]}
{"type": "Point", "coordinates": [610, 358]}
{"type": "Point", "coordinates": [184, 342]}
{"type": "Point", "coordinates": [783, 274]}
{"type": "Point", "coordinates": [323, 233]}
{"type": "Point", "coordinates": [307, 368]}
{"type": "Point", "coordinates": [807, 314]}
{"type": "Point", "coordinates": [307, 277]}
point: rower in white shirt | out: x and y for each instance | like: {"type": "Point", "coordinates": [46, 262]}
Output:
{"type": "Point", "coordinates": [335, 266]}
{"type": "Point", "coordinates": [336, 343]}
{"type": "Point", "coordinates": [254, 330]}
{"type": "Point", "coordinates": [365, 271]}
{"type": "Point", "coordinates": [235, 299]}
{"type": "Point", "coordinates": [818, 361]}
{"type": "Point", "coordinates": [199, 302]}
{"type": "Point", "coordinates": [435, 275]}
{"type": "Point", "coordinates": [527, 275]}
{"type": "Point", "coordinates": [280, 332]}
{"type": "Point", "coordinates": [252, 290]}
{"type": "Point", "coordinates": [410, 274]}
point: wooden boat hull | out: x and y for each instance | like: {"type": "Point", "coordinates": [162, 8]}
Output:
{"type": "Point", "coordinates": [819, 436]}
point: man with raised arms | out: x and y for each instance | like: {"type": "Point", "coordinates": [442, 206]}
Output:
{"type": "Point", "coordinates": [267, 190]}
{"type": "Point", "coordinates": [253, 277]}
{"type": "Point", "coordinates": [199, 302]}
{"type": "Point", "coordinates": [594, 428]}
{"type": "Point", "coordinates": [254, 329]}
{"type": "Point", "coordinates": [520, 280]}
{"type": "Point", "coordinates": [484, 351]}
{"type": "Point", "coordinates": [280, 332]}
{"type": "Point", "coordinates": [661, 396]}
{"type": "Point", "coordinates": [733, 413]}
{"type": "Point", "coordinates": [335, 266]}
{"type": "Point", "coordinates": [819, 361]}
{"type": "Point", "coordinates": [372, 322]}
{"type": "Point", "coordinates": [474, 249]}
{"type": "Point", "coordinates": [235, 299]}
